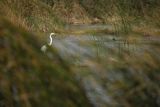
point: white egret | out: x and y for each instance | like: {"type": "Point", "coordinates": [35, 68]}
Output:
{"type": "Point", "coordinates": [44, 47]}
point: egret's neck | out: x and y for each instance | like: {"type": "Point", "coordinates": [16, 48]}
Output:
{"type": "Point", "coordinates": [50, 37]}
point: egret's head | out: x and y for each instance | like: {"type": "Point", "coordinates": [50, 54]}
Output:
{"type": "Point", "coordinates": [52, 34]}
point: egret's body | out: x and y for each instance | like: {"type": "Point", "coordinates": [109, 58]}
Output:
{"type": "Point", "coordinates": [44, 47]}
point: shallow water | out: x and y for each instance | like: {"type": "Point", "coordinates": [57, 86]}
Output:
{"type": "Point", "coordinates": [109, 67]}
{"type": "Point", "coordinates": [88, 27]}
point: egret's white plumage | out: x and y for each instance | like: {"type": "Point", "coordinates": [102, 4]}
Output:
{"type": "Point", "coordinates": [44, 47]}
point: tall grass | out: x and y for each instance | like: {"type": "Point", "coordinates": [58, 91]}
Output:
{"type": "Point", "coordinates": [138, 12]}
{"type": "Point", "coordinates": [126, 12]}
{"type": "Point", "coordinates": [47, 15]}
{"type": "Point", "coordinates": [33, 14]}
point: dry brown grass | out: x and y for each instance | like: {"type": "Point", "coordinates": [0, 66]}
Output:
{"type": "Point", "coordinates": [10, 15]}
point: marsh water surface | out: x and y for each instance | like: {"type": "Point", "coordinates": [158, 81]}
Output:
{"type": "Point", "coordinates": [110, 68]}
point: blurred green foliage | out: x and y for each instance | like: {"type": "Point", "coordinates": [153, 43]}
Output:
{"type": "Point", "coordinates": [29, 78]}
